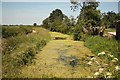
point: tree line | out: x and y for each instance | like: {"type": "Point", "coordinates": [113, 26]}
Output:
{"type": "Point", "coordinates": [89, 16]}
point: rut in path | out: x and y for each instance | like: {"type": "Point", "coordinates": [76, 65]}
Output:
{"type": "Point", "coordinates": [54, 59]}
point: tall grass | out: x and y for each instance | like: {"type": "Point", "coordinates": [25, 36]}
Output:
{"type": "Point", "coordinates": [20, 50]}
{"type": "Point", "coordinates": [8, 31]}
{"type": "Point", "coordinates": [99, 44]}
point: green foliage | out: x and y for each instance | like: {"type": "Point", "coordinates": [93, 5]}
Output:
{"type": "Point", "coordinates": [99, 44]}
{"type": "Point", "coordinates": [40, 44]}
{"type": "Point", "coordinates": [26, 57]}
{"type": "Point", "coordinates": [20, 50]}
{"type": "Point", "coordinates": [88, 12]}
{"type": "Point", "coordinates": [109, 19]}
{"type": "Point", "coordinates": [77, 34]}
{"type": "Point", "coordinates": [8, 31]}
{"type": "Point", "coordinates": [57, 21]}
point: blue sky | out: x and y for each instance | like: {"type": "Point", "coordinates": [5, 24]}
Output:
{"type": "Point", "coordinates": [30, 12]}
{"type": "Point", "coordinates": [0, 12]}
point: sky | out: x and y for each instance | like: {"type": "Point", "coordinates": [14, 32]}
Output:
{"type": "Point", "coordinates": [119, 7]}
{"type": "Point", "coordinates": [0, 13]}
{"type": "Point", "coordinates": [55, 0]}
{"type": "Point", "coordinates": [29, 12]}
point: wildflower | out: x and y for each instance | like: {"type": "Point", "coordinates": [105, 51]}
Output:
{"type": "Point", "coordinates": [110, 55]}
{"type": "Point", "coordinates": [108, 74]}
{"type": "Point", "coordinates": [97, 73]}
{"type": "Point", "coordinates": [113, 61]}
{"type": "Point", "coordinates": [117, 68]}
{"type": "Point", "coordinates": [89, 63]}
{"type": "Point", "coordinates": [92, 59]}
{"type": "Point", "coordinates": [101, 53]}
{"type": "Point", "coordinates": [90, 77]}
{"type": "Point", "coordinates": [109, 77]}
{"type": "Point", "coordinates": [100, 70]}
{"type": "Point", "coordinates": [116, 59]}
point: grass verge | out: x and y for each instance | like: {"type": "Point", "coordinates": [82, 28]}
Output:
{"type": "Point", "coordinates": [20, 50]}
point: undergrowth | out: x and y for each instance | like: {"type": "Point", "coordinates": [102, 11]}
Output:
{"type": "Point", "coordinates": [99, 44]}
{"type": "Point", "coordinates": [20, 50]}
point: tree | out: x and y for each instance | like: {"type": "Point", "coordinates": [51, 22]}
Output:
{"type": "Point", "coordinates": [88, 11]}
{"type": "Point", "coordinates": [109, 19]}
{"type": "Point", "coordinates": [57, 21]}
{"type": "Point", "coordinates": [35, 24]}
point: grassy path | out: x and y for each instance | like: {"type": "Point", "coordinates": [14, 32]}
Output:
{"type": "Point", "coordinates": [54, 60]}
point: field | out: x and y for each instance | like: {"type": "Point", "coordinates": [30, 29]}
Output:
{"type": "Point", "coordinates": [34, 52]}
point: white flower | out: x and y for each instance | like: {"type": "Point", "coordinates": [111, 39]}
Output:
{"type": "Point", "coordinates": [110, 55]}
{"type": "Point", "coordinates": [89, 63]}
{"type": "Point", "coordinates": [109, 77]}
{"type": "Point", "coordinates": [92, 59]}
{"type": "Point", "coordinates": [97, 73]}
{"type": "Point", "coordinates": [101, 53]}
{"type": "Point", "coordinates": [100, 70]}
{"type": "Point", "coordinates": [108, 74]}
{"type": "Point", "coordinates": [116, 59]}
{"type": "Point", "coordinates": [117, 68]}
{"type": "Point", "coordinates": [113, 60]}
{"type": "Point", "coordinates": [90, 77]}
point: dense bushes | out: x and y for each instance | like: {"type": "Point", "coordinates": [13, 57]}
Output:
{"type": "Point", "coordinates": [99, 44]}
{"type": "Point", "coordinates": [8, 31]}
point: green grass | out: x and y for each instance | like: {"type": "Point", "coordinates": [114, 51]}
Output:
{"type": "Point", "coordinates": [9, 31]}
{"type": "Point", "coordinates": [99, 44]}
{"type": "Point", "coordinates": [20, 50]}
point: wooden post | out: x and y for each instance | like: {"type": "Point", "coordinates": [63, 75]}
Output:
{"type": "Point", "coordinates": [118, 30]}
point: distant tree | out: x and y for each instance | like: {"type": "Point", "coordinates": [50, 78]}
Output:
{"type": "Point", "coordinates": [34, 24]}
{"type": "Point", "coordinates": [57, 21]}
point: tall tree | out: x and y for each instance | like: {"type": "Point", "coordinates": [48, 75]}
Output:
{"type": "Point", "coordinates": [88, 11]}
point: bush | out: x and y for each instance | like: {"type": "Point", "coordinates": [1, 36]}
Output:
{"type": "Point", "coordinates": [26, 57]}
{"type": "Point", "coordinates": [77, 34]}
{"type": "Point", "coordinates": [40, 44]}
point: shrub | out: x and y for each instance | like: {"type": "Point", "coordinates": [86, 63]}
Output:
{"type": "Point", "coordinates": [40, 44]}
{"type": "Point", "coordinates": [28, 56]}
